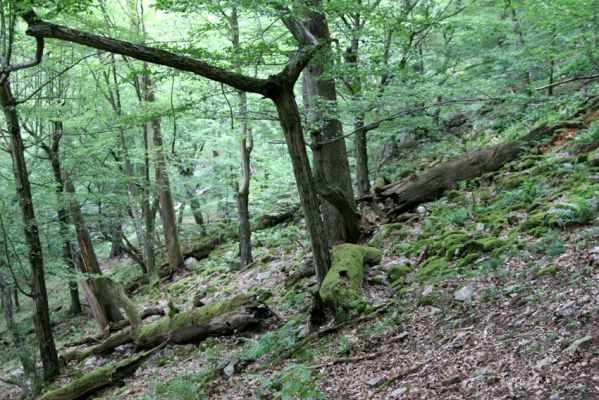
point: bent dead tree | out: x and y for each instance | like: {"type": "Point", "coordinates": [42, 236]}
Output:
{"type": "Point", "coordinates": [278, 88]}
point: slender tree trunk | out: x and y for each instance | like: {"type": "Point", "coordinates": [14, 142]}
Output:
{"type": "Point", "coordinates": [291, 123]}
{"type": "Point", "coordinates": [90, 260]}
{"type": "Point", "coordinates": [331, 166]}
{"type": "Point", "coordinates": [41, 319]}
{"type": "Point", "coordinates": [169, 220]}
{"type": "Point", "coordinates": [246, 145]}
{"type": "Point", "coordinates": [53, 152]}
{"type": "Point", "coordinates": [148, 213]}
{"type": "Point", "coordinates": [196, 210]}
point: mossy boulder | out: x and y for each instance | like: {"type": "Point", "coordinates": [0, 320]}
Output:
{"type": "Point", "coordinates": [533, 221]}
{"type": "Point", "coordinates": [469, 259]}
{"type": "Point", "coordinates": [341, 285]}
{"type": "Point", "coordinates": [398, 271]}
{"type": "Point", "coordinates": [433, 267]}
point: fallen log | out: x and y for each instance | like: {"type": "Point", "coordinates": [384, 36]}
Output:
{"type": "Point", "coordinates": [432, 184]}
{"type": "Point", "coordinates": [85, 386]}
{"type": "Point", "coordinates": [220, 318]}
{"type": "Point", "coordinates": [342, 284]}
{"type": "Point", "coordinates": [148, 312]}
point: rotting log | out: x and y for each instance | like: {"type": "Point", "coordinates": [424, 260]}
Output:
{"type": "Point", "coordinates": [85, 386]}
{"type": "Point", "coordinates": [220, 318]}
{"type": "Point", "coordinates": [343, 282]}
{"type": "Point", "coordinates": [432, 184]}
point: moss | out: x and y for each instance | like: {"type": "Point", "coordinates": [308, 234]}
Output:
{"type": "Point", "coordinates": [398, 271]}
{"type": "Point", "coordinates": [533, 221]}
{"type": "Point", "coordinates": [456, 196]}
{"type": "Point", "coordinates": [511, 182]}
{"type": "Point", "coordinates": [434, 266]}
{"type": "Point", "coordinates": [343, 281]}
{"type": "Point", "coordinates": [549, 270]}
{"type": "Point", "coordinates": [480, 245]}
{"type": "Point", "coordinates": [195, 317]}
{"type": "Point", "coordinates": [593, 159]}
{"type": "Point", "coordinates": [378, 280]}
{"type": "Point", "coordinates": [397, 282]}
{"type": "Point", "coordinates": [469, 259]}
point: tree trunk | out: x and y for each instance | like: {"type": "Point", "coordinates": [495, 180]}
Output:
{"type": "Point", "coordinates": [18, 343]}
{"type": "Point", "coordinates": [331, 166]}
{"type": "Point", "coordinates": [196, 209]}
{"type": "Point", "coordinates": [292, 128]}
{"type": "Point", "coordinates": [148, 212]}
{"type": "Point", "coordinates": [41, 319]}
{"type": "Point", "coordinates": [53, 152]}
{"type": "Point", "coordinates": [361, 153]}
{"type": "Point", "coordinates": [90, 261]}
{"type": "Point", "coordinates": [116, 248]}
{"type": "Point", "coordinates": [169, 219]}
{"type": "Point", "coordinates": [245, 146]}
{"type": "Point", "coordinates": [430, 185]}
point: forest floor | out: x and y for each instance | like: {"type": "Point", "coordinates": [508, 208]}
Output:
{"type": "Point", "coordinates": [498, 299]}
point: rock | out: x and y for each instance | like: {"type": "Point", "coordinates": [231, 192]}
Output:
{"type": "Point", "coordinates": [453, 379]}
{"type": "Point", "coordinates": [376, 381]}
{"type": "Point", "coordinates": [464, 293]}
{"type": "Point", "coordinates": [398, 392]}
{"type": "Point", "coordinates": [582, 342]}
{"type": "Point", "coordinates": [480, 227]}
{"type": "Point", "coordinates": [434, 311]}
{"type": "Point", "coordinates": [229, 370]}
{"type": "Point", "coordinates": [397, 261]}
{"type": "Point", "coordinates": [190, 264]}
{"type": "Point", "coordinates": [542, 364]}
{"type": "Point", "coordinates": [400, 338]}
{"type": "Point", "coordinates": [303, 331]}
{"type": "Point", "coordinates": [90, 362]}
{"type": "Point", "coordinates": [421, 210]}
{"type": "Point", "coordinates": [428, 290]}
{"type": "Point", "coordinates": [262, 276]}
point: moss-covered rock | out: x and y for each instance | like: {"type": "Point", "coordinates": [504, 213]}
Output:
{"type": "Point", "coordinates": [342, 283]}
{"type": "Point", "coordinates": [398, 271]}
{"type": "Point", "coordinates": [533, 221]}
{"type": "Point", "coordinates": [469, 259]}
{"type": "Point", "coordinates": [433, 267]}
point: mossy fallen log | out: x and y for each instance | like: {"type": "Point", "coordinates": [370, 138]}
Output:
{"type": "Point", "coordinates": [85, 386]}
{"type": "Point", "coordinates": [220, 318]}
{"type": "Point", "coordinates": [342, 284]}
{"type": "Point", "coordinates": [432, 184]}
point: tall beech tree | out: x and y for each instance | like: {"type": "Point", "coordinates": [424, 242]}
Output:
{"type": "Point", "coordinates": [278, 88]}
{"type": "Point", "coordinates": [330, 162]}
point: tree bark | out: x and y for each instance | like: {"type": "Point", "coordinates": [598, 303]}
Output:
{"type": "Point", "coordinates": [169, 219]}
{"type": "Point", "coordinates": [43, 329]}
{"type": "Point", "coordinates": [53, 153]}
{"type": "Point", "coordinates": [331, 166]}
{"type": "Point", "coordinates": [90, 264]}
{"type": "Point", "coordinates": [246, 145]}
{"type": "Point", "coordinates": [291, 123]}
{"type": "Point", "coordinates": [430, 185]}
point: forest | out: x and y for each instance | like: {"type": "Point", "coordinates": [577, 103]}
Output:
{"type": "Point", "coordinates": [301, 199]}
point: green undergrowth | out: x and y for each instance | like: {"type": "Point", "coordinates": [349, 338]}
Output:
{"type": "Point", "coordinates": [494, 216]}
